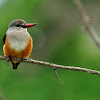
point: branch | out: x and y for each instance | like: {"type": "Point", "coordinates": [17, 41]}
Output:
{"type": "Point", "coordinates": [55, 72]}
{"type": "Point", "coordinates": [86, 22]}
{"type": "Point", "coordinates": [51, 65]}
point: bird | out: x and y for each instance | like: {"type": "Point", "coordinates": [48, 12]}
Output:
{"type": "Point", "coordinates": [17, 41]}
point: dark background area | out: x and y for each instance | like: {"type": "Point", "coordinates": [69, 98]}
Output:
{"type": "Point", "coordinates": [59, 38]}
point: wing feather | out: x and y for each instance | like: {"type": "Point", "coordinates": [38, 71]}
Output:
{"type": "Point", "coordinates": [4, 39]}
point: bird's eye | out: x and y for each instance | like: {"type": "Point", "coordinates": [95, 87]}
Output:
{"type": "Point", "coordinates": [18, 25]}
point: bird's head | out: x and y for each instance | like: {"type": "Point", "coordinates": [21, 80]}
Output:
{"type": "Point", "coordinates": [21, 24]}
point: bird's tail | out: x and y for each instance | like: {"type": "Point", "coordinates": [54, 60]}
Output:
{"type": "Point", "coordinates": [15, 65]}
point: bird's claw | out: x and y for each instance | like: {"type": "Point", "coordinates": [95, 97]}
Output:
{"type": "Point", "coordinates": [9, 59]}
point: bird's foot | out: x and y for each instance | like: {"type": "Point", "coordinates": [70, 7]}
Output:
{"type": "Point", "coordinates": [24, 59]}
{"type": "Point", "coordinates": [9, 59]}
{"type": "Point", "coordinates": [28, 58]}
{"type": "Point", "coordinates": [21, 59]}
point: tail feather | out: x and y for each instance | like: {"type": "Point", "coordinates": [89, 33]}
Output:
{"type": "Point", "coordinates": [15, 65]}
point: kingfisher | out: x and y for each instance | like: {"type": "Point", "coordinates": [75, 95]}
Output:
{"type": "Point", "coordinates": [17, 41]}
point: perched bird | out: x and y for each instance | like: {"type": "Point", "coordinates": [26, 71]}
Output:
{"type": "Point", "coordinates": [17, 41]}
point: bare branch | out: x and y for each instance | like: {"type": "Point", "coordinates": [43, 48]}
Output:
{"type": "Point", "coordinates": [53, 65]}
{"type": "Point", "coordinates": [87, 22]}
{"type": "Point", "coordinates": [55, 72]}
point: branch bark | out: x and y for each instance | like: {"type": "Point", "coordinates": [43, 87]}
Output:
{"type": "Point", "coordinates": [86, 22]}
{"type": "Point", "coordinates": [51, 65]}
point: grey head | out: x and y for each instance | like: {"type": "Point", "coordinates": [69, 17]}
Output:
{"type": "Point", "coordinates": [17, 23]}
{"type": "Point", "coordinates": [21, 23]}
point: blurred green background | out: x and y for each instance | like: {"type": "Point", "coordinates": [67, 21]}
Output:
{"type": "Point", "coordinates": [58, 38]}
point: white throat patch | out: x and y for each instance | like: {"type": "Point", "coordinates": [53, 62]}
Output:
{"type": "Point", "coordinates": [18, 38]}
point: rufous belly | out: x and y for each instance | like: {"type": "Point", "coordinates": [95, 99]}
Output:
{"type": "Point", "coordinates": [8, 51]}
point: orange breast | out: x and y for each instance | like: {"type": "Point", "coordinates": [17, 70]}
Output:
{"type": "Point", "coordinates": [8, 51]}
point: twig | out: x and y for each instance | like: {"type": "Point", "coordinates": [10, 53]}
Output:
{"type": "Point", "coordinates": [55, 72]}
{"type": "Point", "coordinates": [86, 22]}
{"type": "Point", "coordinates": [53, 65]}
